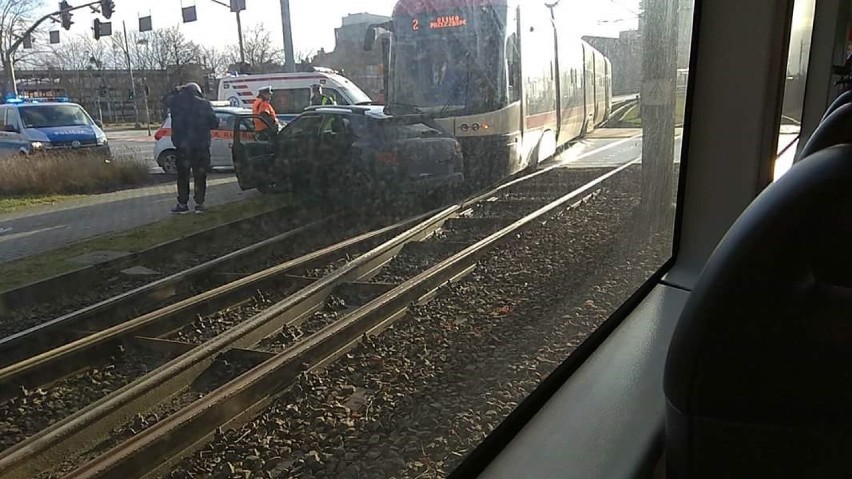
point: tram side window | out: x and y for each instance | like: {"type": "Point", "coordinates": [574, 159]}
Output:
{"type": "Point", "coordinates": [513, 60]}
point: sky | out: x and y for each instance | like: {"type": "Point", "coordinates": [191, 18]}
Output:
{"type": "Point", "coordinates": [313, 21]}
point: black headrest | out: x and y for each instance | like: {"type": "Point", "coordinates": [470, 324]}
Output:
{"type": "Point", "coordinates": [759, 371]}
{"type": "Point", "coordinates": [836, 129]}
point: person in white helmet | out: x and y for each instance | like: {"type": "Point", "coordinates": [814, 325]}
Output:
{"type": "Point", "coordinates": [192, 120]}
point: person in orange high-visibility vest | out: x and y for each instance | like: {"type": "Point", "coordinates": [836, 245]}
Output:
{"type": "Point", "coordinates": [263, 108]}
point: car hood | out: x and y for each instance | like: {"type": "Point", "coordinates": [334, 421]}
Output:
{"type": "Point", "coordinates": [64, 133]}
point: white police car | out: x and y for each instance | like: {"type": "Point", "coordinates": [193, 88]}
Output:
{"type": "Point", "coordinates": [29, 126]}
{"type": "Point", "coordinates": [222, 140]}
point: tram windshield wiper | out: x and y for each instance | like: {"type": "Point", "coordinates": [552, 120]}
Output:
{"type": "Point", "coordinates": [461, 86]}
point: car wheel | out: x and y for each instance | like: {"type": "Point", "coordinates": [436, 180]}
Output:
{"type": "Point", "coordinates": [168, 162]}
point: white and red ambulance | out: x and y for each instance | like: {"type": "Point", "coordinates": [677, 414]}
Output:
{"type": "Point", "coordinates": [291, 92]}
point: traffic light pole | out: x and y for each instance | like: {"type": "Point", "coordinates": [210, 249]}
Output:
{"type": "Point", "coordinates": [10, 84]}
{"type": "Point", "coordinates": [286, 24]}
{"type": "Point", "coordinates": [240, 33]}
{"type": "Point", "coordinates": [239, 29]}
{"type": "Point", "coordinates": [130, 69]}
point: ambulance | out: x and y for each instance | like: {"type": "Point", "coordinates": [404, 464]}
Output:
{"type": "Point", "coordinates": [291, 92]}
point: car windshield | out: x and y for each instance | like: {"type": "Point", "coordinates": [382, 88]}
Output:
{"type": "Point", "coordinates": [54, 115]}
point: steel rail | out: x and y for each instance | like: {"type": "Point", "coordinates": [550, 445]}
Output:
{"type": "Point", "coordinates": [51, 334]}
{"type": "Point", "coordinates": [51, 445]}
{"type": "Point", "coordinates": [53, 364]}
{"type": "Point", "coordinates": [155, 449]}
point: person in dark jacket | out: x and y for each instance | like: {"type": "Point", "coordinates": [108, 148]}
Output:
{"type": "Point", "coordinates": [168, 98]}
{"type": "Point", "coordinates": [192, 120]}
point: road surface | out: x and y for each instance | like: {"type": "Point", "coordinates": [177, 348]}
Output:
{"type": "Point", "coordinates": [135, 144]}
{"type": "Point", "coordinates": [41, 229]}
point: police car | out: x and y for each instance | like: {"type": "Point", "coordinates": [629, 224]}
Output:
{"type": "Point", "coordinates": [31, 126]}
{"type": "Point", "coordinates": [222, 140]}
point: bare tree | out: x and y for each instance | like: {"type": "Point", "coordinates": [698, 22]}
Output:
{"type": "Point", "coordinates": [15, 17]}
{"type": "Point", "coordinates": [213, 59]}
{"type": "Point", "coordinates": [75, 53]}
{"type": "Point", "coordinates": [259, 48]}
{"type": "Point", "coordinates": [308, 57]}
{"type": "Point", "coordinates": [180, 50]}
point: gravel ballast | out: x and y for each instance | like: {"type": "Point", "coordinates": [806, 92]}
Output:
{"type": "Point", "coordinates": [33, 410]}
{"type": "Point", "coordinates": [415, 400]}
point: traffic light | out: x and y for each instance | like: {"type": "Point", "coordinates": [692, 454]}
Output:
{"type": "Point", "coordinates": [107, 8]}
{"type": "Point", "coordinates": [238, 5]}
{"type": "Point", "coordinates": [102, 29]}
{"type": "Point", "coordinates": [65, 14]}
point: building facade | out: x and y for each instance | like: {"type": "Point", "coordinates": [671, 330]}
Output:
{"type": "Point", "coordinates": [106, 93]}
{"type": "Point", "coordinates": [364, 68]}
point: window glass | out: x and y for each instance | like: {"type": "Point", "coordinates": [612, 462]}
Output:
{"type": "Point", "coordinates": [247, 124]}
{"type": "Point", "coordinates": [4, 112]}
{"type": "Point", "coordinates": [226, 121]}
{"type": "Point", "coordinates": [291, 100]}
{"type": "Point", "coordinates": [12, 118]}
{"type": "Point", "coordinates": [798, 59]}
{"type": "Point", "coordinates": [372, 370]}
{"type": "Point", "coordinates": [333, 93]}
{"type": "Point", "coordinates": [303, 126]}
{"type": "Point", "coordinates": [335, 124]}
{"type": "Point", "coordinates": [362, 127]}
{"type": "Point", "coordinates": [53, 115]}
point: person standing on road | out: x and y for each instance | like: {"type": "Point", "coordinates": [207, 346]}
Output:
{"type": "Point", "coordinates": [192, 120]}
{"type": "Point", "coordinates": [318, 98]}
{"type": "Point", "coordinates": [262, 107]}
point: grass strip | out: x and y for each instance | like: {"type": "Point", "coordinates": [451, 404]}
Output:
{"type": "Point", "coordinates": [14, 274]}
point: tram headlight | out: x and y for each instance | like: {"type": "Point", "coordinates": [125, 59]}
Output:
{"type": "Point", "coordinates": [464, 127]}
{"type": "Point", "coordinates": [475, 127]}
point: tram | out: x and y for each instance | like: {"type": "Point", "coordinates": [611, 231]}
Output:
{"type": "Point", "coordinates": [513, 80]}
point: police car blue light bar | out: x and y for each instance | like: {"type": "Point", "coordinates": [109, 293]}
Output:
{"type": "Point", "coordinates": [36, 100]}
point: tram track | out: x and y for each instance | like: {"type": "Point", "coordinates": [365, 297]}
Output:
{"type": "Point", "coordinates": [52, 297]}
{"type": "Point", "coordinates": [314, 323]}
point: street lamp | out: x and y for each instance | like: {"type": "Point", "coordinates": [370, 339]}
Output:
{"type": "Point", "coordinates": [93, 62]}
{"type": "Point", "coordinates": [130, 71]}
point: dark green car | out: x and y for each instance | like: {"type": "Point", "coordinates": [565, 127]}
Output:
{"type": "Point", "coordinates": [352, 149]}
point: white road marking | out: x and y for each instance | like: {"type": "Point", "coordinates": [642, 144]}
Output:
{"type": "Point", "coordinates": [29, 233]}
